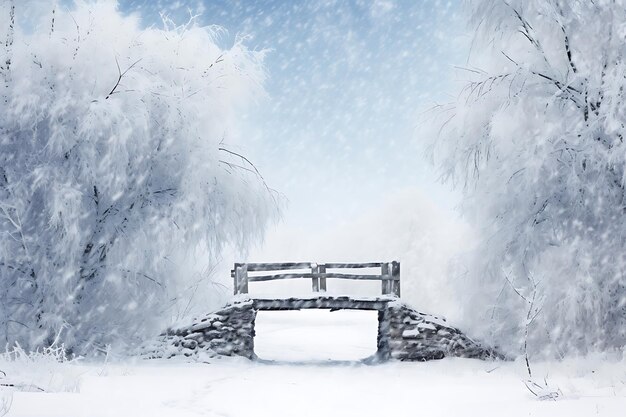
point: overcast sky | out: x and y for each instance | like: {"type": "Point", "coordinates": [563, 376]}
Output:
{"type": "Point", "coordinates": [347, 81]}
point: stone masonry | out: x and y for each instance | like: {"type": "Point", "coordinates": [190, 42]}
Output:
{"type": "Point", "coordinates": [408, 335]}
{"type": "Point", "coordinates": [403, 333]}
{"type": "Point", "coordinates": [227, 332]}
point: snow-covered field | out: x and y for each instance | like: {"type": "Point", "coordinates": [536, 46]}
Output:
{"type": "Point", "coordinates": [297, 379]}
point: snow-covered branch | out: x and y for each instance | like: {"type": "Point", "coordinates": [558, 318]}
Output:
{"type": "Point", "coordinates": [105, 198]}
{"type": "Point", "coordinates": [536, 136]}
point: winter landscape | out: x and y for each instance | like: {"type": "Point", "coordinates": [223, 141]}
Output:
{"type": "Point", "coordinates": [306, 208]}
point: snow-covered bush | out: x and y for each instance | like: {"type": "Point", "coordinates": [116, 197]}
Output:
{"type": "Point", "coordinates": [48, 369]}
{"type": "Point", "coordinates": [536, 142]}
{"type": "Point", "coordinates": [117, 164]}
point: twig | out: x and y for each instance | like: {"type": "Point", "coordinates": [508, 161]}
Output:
{"type": "Point", "coordinates": [515, 289]}
{"type": "Point", "coordinates": [54, 10]}
{"type": "Point", "coordinates": [254, 170]}
{"type": "Point", "coordinates": [244, 159]}
{"type": "Point", "coordinates": [120, 76]}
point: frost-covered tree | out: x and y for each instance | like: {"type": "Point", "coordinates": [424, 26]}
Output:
{"type": "Point", "coordinates": [116, 161]}
{"type": "Point", "coordinates": [535, 140]}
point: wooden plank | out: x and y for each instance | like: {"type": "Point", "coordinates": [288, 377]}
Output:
{"type": "Point", "coordinates": [333, 303]}
{"type": "Point", "coordinates": [395, 272]}
{"type": "Point", "coordinates": [241, 279]}
{"type": "Point", "coordinates": [255, 267]}
{"type": "Point", "coordinates": [260, 278]}
{"type": "Point", "coordinates": [315, 283]}
{"type": "Point", "coordinates": [235, 276]}
{"type": "Point", "coordinates": [322, 270]}
{"type": "Point", "coordinates": [354, 265]}
{"type": "Point", "coordinates": [258, 267]}
{"type": "Point", "coordinates": [384, 287]}
{"type": "Point", "coordinates": [244, 284]}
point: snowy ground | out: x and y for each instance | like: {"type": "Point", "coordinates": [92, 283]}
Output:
{"type": "Point", "coordinates": [296, 379]}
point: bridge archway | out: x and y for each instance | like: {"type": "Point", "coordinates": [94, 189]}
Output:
{"type": "Point", "coordinates": [313, 336]}
{"type": "Point", "coordinates": [334, 303]}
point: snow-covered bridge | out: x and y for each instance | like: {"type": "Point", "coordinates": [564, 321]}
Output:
{"type": "Point", "coordinates": [403, 332]}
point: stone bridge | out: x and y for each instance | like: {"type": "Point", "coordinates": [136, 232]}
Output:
{"type": "Point", "coordinates": [403, 333]}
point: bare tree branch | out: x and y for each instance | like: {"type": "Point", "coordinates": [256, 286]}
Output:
{"type": "Point", "coordinates": [120, 76]}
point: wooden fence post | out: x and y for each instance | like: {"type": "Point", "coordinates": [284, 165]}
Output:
{"type": "Point", "coordinates": [395, 273]}
{"type": "Point", "coordinates": [322, 270]}
{"type": "Point", "coordinates": [384, 270]}
{"type": "Point", "coordinates": [235, 279]}
{"type": "Point", "coordinates": [241, 279]}
{"type": "Point", "coordinates": [315, 283]}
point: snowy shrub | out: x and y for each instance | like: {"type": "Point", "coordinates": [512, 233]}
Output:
{"type": "Point", "coordinates": [536, 142]}
{"type": "Point", "coordinates": [48, 369]}
{"type": "Point", "coordinates": [117, 165]}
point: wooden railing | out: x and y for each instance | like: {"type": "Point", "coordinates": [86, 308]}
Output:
{"type": "Point", "coordinates": [318, 273]}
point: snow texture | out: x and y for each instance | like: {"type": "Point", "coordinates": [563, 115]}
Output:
{"type": "Point", "coordinates": [118, 166]}
{"type": "Point", "coordinates": [535, 142]}
{"type": "Point", "coordinates": [590, 386]}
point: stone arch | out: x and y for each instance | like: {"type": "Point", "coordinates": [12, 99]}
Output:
{"type": "Point", "coordinates": [403, 332]}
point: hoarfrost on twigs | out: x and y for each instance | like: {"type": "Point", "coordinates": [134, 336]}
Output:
{"type": "Point", "coordinates": [117, 161]}
{"type": "Point", "coordinates": [535, 140]}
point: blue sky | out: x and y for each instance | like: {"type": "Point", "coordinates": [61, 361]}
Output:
{"type": "Point", "coordinates": [347, 82]}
